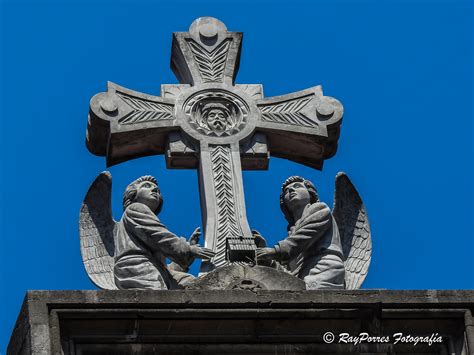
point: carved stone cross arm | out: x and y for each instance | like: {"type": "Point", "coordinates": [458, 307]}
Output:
{"type": "Point", "coordinates": [303, 126]}
{"type": "Point", "coordinates": [125, 124]}
{"type": "Point", "coordinates": [209, 123]}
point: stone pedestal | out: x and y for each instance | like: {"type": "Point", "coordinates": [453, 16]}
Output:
{"type": "Point", "coordinates": [242, 322]}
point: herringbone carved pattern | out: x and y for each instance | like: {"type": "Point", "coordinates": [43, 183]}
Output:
{"type": "Point", "coordinates": [227, 224]}
{"type": "Point", "coordinates": [211, 65]}
{"type": "Point", "coordinates": [289, 112]}
{"type": "Point", "coordinates": [145, 111]}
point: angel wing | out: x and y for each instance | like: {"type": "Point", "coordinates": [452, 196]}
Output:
{"type": "Point", "coordinates": [96, 231]}
{"type": "Point", "coordinates": [351, 217]}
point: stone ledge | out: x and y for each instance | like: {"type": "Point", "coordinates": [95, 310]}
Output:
{"type": "Point", "coordinates": [260, 297]}
{"type": "Point", "coordinates": [91, 322]}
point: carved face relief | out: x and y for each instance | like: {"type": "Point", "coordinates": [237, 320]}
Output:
{"type": "Point", "coordinates": [217, 117]}
{"type": "Point", "coordinates": [296, 195]}
{"type": "Point", "coordinates": [217, 120]}
{"type": "Point", "coordinates": [148, 194]}
{"type": "Point", "coordinates": [216, 113]}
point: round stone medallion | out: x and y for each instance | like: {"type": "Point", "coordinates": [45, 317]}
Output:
{"type": "Point", "coordinates": [216, 113]}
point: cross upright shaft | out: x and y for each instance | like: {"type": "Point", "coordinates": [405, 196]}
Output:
{"type": "Point", "coordinates": [209, 123]}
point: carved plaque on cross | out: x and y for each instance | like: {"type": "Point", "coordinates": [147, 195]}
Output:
{"type": "Point", "coordinates": [209, 123]}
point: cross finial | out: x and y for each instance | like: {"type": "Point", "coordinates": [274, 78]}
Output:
{"type": "Point", "coordinates": [208, 53]}
{"type": "Point", "coordinates": [210, 123]}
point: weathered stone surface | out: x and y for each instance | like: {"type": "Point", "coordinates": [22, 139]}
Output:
{"type": "Point", "coordinates": [239, 321]}
{"type": "Point", "coordinates": [131, 253]}
{"type": "Point", "coordinates": [242, 277]}
{"type": "Point", "coordinates": [325, 254]}
{"type": "Point", "coordinates": [209, 123]}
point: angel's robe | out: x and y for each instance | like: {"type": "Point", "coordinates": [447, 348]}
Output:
{"type": "Point", "coordinates": [312, 250]}
{"type": "Point", "coordinates": [142, 244]}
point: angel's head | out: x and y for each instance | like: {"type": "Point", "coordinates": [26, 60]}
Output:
{"type": "Point", "coordinates": [296, 192]}
{"type": "Point", "coordinates": [144, 190]}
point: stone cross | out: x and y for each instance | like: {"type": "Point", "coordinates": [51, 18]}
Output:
{"type": "Point", "coordinates": [210, 123]}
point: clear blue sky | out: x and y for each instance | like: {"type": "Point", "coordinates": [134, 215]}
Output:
{"type": "Point", "coordinates": [403, 70]}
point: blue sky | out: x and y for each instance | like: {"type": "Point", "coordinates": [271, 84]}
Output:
{"type": "Point", "coordinates": [403, 71]}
